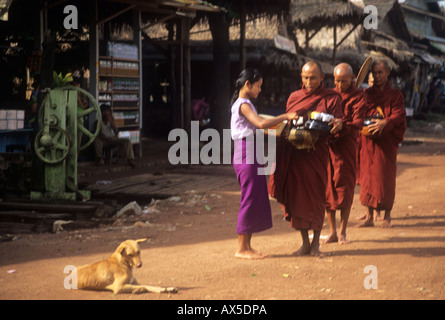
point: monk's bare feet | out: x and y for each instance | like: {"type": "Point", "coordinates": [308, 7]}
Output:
{"type": "Point", "coordinates": [386, 224]}
{"type": "Point", "coordinates": [249, 254]}
{"type": "Point", "coordinates": [342, 239]}
{"type": "Point", "coordinates": [363, 217]}
{"type": "Point", "coordinates": [377, 217]}
{"type": "Point", "coordinates": [366, 223]}
{"type": "Point", "coordinates": [304, 250]}
{"type": "Point", "coordinates": [315, 251]}
{"type": "Point", "coordinates": [332, 238]}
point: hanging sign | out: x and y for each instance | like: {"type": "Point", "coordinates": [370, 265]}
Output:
{"type": "Point", "coordinates": [285, 44]}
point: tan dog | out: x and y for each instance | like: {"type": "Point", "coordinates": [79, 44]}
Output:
{"type": "Point", "coordinates": [116, 272]}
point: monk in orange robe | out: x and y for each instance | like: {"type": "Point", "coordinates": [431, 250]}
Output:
{"type": "Point", "coordinates": [343, 153]}
{"type": "Point", "coordinates": [378, 154]}
{"type": "Point", "coordinates": [300, 177]}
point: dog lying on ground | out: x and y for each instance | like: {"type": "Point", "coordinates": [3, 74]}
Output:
{"type": "Point", "coordinates": [116, 272]}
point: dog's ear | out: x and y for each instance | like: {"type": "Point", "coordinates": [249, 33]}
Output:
{"type": "Point", "coordinates": [121, 248]}
{"type": "Point", "coordinates": [141, 240]}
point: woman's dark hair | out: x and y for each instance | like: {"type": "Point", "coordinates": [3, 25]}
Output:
{"type": "Point", "coordinates": [251, 75]}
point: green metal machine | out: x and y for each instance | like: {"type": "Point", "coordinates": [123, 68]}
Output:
{"type": "Point", "coordinates": [57, 145]}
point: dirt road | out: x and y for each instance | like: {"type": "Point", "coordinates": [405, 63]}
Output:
{"type": "Point", "coordinates": [192, 241]}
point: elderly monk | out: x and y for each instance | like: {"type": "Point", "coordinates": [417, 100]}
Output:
{"type": "Point", "coordinates": [300, 177]}
{"type": "Point", "coordinates": [378, 154]}
{"type": "Point", "coordinates": [343, 153]}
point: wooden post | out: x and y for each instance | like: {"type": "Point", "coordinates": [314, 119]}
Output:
{"type": "Point", "coordinates": [220, 102]}
{"type": "Point", "coordinates": [178, 66]}
{"type": "Point", "coordinates": [94, 53]}
{"type": "Point", "coordinates": [172, 66]}
{"type": "Point", "coordinates": [186, 23]}
{"type": "Point", "coordinates": [242, 37]}
{"type": "Point", "coordinates": [413, 103]}
{"type": "Point", "coordinates": [138, 41]}
{"type": "Point", "coordinates": [334, 51]}
{"type": "Point", "coordinates": [180, 75]}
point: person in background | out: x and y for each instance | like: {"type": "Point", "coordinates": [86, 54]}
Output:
{"type": "Point", "coordinates": [82, 104]}
{"type": "Point", "coordinates": [33, 104]}
{"type": "Point", "coordinates": [109, 138]}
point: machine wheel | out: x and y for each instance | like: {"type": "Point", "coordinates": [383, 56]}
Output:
{"type": "Point", "coordinates": [52, 147]}
{"type": "Point", "coordinates": [80, 127]}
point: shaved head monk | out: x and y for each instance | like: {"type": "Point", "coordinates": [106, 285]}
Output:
{"type": "Point", "coordinates": [343, 153]}
{"type": "Point", "coordinates": [378, 154]}
{"type": "Point", "coordinates": [300, 177]}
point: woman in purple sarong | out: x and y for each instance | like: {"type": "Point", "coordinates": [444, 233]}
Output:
{"type": "Point", "coordinates": [255, 213]}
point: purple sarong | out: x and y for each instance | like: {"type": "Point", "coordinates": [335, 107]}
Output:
{"type": "Point", "coordinates": [254, 214]}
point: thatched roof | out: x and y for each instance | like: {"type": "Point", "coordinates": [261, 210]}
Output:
{"type": "Point", "coordinates": [313, 14]}
{"type": "Point", "coordinates": [253, 8]}
{"type": "Point", "coordinates": [262, 28]}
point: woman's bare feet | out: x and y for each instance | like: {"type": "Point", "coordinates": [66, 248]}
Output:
{"type": "Point", "coordinates": [245, 250]}
{"type": "Point", "coordinates": [250, 254]}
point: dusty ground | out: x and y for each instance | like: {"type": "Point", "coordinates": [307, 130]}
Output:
{"type": "Point", "coordinates": [192, 241]}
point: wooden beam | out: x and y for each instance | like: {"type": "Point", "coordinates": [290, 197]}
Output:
{"type": "Point", "coordinates": [116, 14]}
{"type": "Point", "coordinates": [148, 4]}
{"type": "Point", "coordinates": [347, 35]}
{"type": "Point", "coordinates": [309, 37]}
{"type": "Point", "coordinates": [149, 25]}
{"type": "Point", "coordinates": [338, 44]}
{"type": "Point", "coordinates": [52, 5]}
{"type": "Point", "coordinates": [424, 12]}
{"type": "Point", "coordinates": [155, 44]}
{"type": "Point", "coordinates": [40, 207]}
